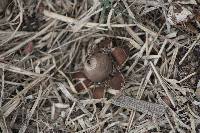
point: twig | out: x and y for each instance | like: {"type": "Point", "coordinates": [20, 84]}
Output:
{"type": "Point", "coordinates": [162, 84]}
{"type": "Point", "coordinates": [28, 40]}
{"type": "Point", "coordinates": [190, 49]}
{"type": "Point", "coordinates": [15, 69]}
{"type": "Point", "coordinates": [30, 114]}
{"type": "Point", "coordinates": [88, 24]}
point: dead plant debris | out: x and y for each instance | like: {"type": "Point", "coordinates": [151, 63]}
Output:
{"type": "Point", "coordinates": [145, 52]}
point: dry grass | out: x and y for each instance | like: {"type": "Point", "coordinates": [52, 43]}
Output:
{"type": "Point", "coordinates": [43, 42]}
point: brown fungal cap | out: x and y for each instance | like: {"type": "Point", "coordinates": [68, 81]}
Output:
{"type": "Point", "coordinates": [98, 67]}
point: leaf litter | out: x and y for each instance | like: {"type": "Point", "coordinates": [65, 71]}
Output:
{"type": "Point", "coordinates": [43, 43]}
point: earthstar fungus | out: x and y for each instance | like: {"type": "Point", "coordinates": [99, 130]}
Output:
{"type": "Point", "coordinates": [101, 70]}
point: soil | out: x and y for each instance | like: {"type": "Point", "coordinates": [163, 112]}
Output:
{"type": "Point", "coordinates": [43, 43]}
